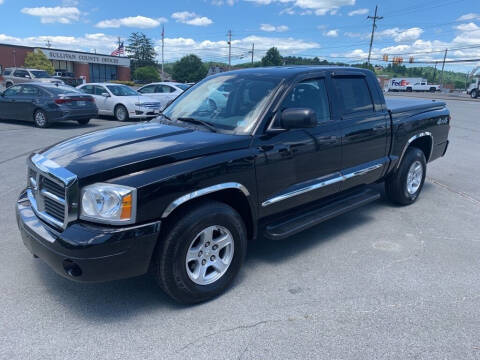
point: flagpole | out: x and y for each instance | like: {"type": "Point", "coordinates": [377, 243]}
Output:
{"type": "Point", "coordinates": [163, 45]}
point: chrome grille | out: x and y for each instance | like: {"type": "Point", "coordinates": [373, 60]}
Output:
{"type": "Point", "coordinates": [152, 105]}
{"type": "Point", "coordinates": [52, 191]}
{"type": "Point", "coordinates": [52, 187]}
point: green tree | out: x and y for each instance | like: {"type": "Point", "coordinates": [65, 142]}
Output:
{"type": "Point", "coordinates": [272, 58]}
{"type": "Point", "coordinates": [189, 69]}
{"type": "Point", "coordinates": [140, 50]}
{"type": "Point", "coordinates": [146, 74]}
{"type": "Point", "coordinates": [38, 60]}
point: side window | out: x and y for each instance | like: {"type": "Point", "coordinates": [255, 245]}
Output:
{"type": "Point", "coordinates": [87, 89]}
{"type": "Point", "coordinates": [150, 89]}
{"type": "Point", "coordinates": [99, 90]}
{"type": "Point", "coordinates": [309, 94]}
{"type": "Point", "coordinates": [13, 91]}
{"type": "Point", "coordinates": [353, 94]}
{"type": "Point", "coordinates": [170, 89]}
{"type": "Point", "coordinates": [29, 91]}
{"type": "Point", "coordinates": [21, 73]}
{"type": "Point", "coordinates": [7, 72]}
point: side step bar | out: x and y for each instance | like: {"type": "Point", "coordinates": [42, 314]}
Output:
{"type": "Point", "coordinates": [292, 225]}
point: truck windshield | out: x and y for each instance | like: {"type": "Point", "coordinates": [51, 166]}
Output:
{"type": "Point", "coordinates": [230, 102]}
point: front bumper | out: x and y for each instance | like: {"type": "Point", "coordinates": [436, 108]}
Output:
{"type": "Point", "coordinates": [85, 252]}
{"type": "Point", "coordinates": [142, 112]}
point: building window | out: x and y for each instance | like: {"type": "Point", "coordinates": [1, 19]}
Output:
{"type": "Point", "coordinates": [62, 66]}
{"type": "Point", "coordinates": [102, 73]}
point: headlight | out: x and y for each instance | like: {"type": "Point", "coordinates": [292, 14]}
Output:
{"type": "Point", "coordinates": [109, 203]}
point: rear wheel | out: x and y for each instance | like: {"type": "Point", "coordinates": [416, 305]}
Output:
{"type": "Point", "coordinates": [432, 89]}
{"type": "Point", "coordinates": [409, 89]}
{"type": "Point", "coordinates": [7, 85]}
{"type": "Point", "coordinates": [474, 94]}
{"type": "Point", "coordinates": [201, 253]}
{"type": "Point", "coordinates": [40, 119]}
{"type": "Point", "coordinates": [404, 186]}
{"type": "Point", "coordinates": [83, 121]}
{"type": "Point", "coordinates": [121, 113]}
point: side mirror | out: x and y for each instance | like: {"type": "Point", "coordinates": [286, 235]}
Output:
{"type": "Point", "coordinates": [105, 94]}
{"type": "Point", "coordinates": [298, 118]}
{"type": "Point", "coordinates": [28, 76]}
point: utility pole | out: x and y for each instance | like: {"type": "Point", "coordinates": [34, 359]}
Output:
{"type": "Point", "coordinates": [435, 71]}
{"type": "Point", "coordinates": [229, 34]}
{"type": "Point", "coordinates": [163, 46]}
{"type": "Point", "coordinates": [374, 26]}
{"type": "Point", "coordinates": [253, 51]}
{"type": "Point", "coordinates": [443, 67]}
{"type": "Point", "coordinates": [49, 44]}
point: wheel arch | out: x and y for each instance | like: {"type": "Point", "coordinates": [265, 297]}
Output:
{"type": "Point", "coordinates": [422, 141]}
{"type": "Point", "coordinates": [233, 194]}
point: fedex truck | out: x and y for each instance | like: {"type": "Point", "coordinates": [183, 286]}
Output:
{"type": "Point", "coordinates": [401, 84]}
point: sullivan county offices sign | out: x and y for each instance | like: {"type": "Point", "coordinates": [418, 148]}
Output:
{"type": "Point", "coordinates": [85, 57]}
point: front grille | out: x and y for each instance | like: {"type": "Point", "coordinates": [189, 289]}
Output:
{"type": "Point", "coordinates": [52, 191]}
{"type": "Point", "coordinates": [54, 209]}
{"type": "Point", "coordinates": [151, 105]}
{"type": "Point", "coordinates": [52, 187]}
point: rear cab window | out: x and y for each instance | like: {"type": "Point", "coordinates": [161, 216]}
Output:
{"type": "Point", "coordinates": [353, 94]}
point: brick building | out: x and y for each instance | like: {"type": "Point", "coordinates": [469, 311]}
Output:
{"type": "Point", "coordinates": [94, 67]}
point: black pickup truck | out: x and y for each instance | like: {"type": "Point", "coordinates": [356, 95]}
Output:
{"type": "Point", "coordinates": [264, 152]}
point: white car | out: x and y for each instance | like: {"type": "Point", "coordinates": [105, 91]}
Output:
{"type": "Point", "coordinates": [164, 91]}
{"type": "Point", "coordinates": [121, 101]}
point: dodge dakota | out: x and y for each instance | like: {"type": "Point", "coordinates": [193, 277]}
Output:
{"type": "Point", "coordinates": [247, 154]}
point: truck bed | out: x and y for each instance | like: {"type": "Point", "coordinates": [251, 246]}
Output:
{"type": "Point", "coordinates": [402, 105]}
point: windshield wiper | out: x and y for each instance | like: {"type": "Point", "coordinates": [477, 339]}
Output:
{"type": "Point", "coordinates": [198, 122]}
{"type": "Point", "coordinates": [165, 116]}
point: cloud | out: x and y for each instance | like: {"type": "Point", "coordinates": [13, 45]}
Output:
{"type": "Point", "coordinates": [470, 16]}
{"type": "Point", "coordinates": [47, 15]}
{"type": "Point", "coordinates": [141, 22]}
{"type": "Point", "coordinates": [468, 27]}
{"type": "Point", "coordinates": [401, 35]}
{"type": "Point", "coordinates": [331, 33]}
{"type": "Point", "coordinates": [223, 2]}
{"type": "Point", "coordinates": [308, 7]}
{"type": "Point", "coordinates": [273, 28]}
{"type": "Point", "coordinates": [191, 18]}
{"type": "Point", "coordinates": [358, 12]}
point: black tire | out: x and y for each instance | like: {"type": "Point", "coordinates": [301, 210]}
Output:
{"type": "Point", "coordinates": [83, 121]}
{"type": "Point", "coordinates": [474, 94]}
{"type": "Point", "coordinates": [432, 89]}
{"type": "Point", "coordinates": [118, 113]}
{"type": "Point", "coordinates": [409, 89]}
{"type": "Point", "coordinates": [40, 119]}
{"type": "Point", "coordinates": [169, 261]}
{"type": "Point", "coordinates": [7, 85]}
{"type": "Point", "coordinates": [396, 184]}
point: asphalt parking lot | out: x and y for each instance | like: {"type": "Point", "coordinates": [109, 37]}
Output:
{"type": "Point", "coordinates": [382, 282]}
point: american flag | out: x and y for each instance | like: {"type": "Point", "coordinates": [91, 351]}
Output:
{"type": "Point", "coordinates": [119, 51]}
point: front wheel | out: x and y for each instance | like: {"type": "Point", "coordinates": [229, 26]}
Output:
{"type": "Point", "coordinates": [474, 94]}
{"type": "Point", "coordinates": [121, 113]}
{"type": "Point", "coordinates": [201, 253]}
{"type": "Point", "coordinates": [40, 119]}
{"type": "Point", "coordinates": [406, 183]}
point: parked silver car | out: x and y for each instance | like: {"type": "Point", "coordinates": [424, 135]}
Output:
{"type": "Point", "coordinates": [14, 76]}
{"type": "Point", "coordinates": [163, 91]}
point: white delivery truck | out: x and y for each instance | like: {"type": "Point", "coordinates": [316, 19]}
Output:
{"type": "Point", "coordinates": [401, 84]}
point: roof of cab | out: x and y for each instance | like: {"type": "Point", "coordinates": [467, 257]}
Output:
{"type": "Point", "coordinates": [292, 71]}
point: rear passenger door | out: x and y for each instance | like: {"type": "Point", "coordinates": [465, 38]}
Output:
{"type": "Point", "coordinates": [363, 122]}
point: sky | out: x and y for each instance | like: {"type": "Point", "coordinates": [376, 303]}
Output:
{"type": "Point", "coordinates": [336, 30]}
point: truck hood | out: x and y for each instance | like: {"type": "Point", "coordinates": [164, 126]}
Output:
{"type": "Point", "coordinates": [110, 153]}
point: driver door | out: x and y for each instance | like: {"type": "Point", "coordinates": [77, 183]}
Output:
{"type": "Point", "coordinates": [299, 166]}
